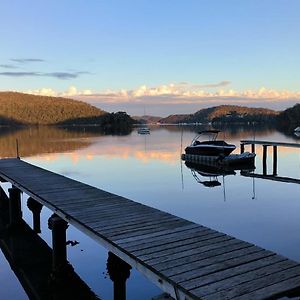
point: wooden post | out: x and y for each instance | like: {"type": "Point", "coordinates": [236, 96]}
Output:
{"type": "Point", "coordinates": [253, 148]}
{"type": "Point", "coordinates": [265, 153]}
{"type": "Point", "coordinates": [242, 148]}
{"type": "Point", "coordinates": [36, 209]}
{"type": "Point", "coordinates": [274, 160]}
{"type": "Point", "coordinates": [59, 253]}
{"type": "Point", "coordinates": [119, 272]}
{"type": "Point", "coordinates": [15, 212]}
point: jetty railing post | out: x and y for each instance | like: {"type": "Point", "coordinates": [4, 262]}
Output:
{"type": "Point", "coordinates": [15, 212]}
{"type": "Point", "coordinates": [242, 148]}
{"type": "Point", "coordinates": [253, 148]}
{"type": "Point", "coordinates": [36, 209]}
{"type": "Point", "coordinates": [274, 160]}
{"type": "Point", "coordinates": [265, 152]}
{"type": "Point", "coordinates": [59, 245]}
{"type": "Point", "coordinates": [119, 272]}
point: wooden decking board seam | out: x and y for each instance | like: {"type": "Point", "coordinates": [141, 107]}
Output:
{"type": "Point", "coordinates": [209, 237]}
{"type": "Point", "coordinates": [187, 242]}
{"type": "Point", "coordinates": [115, 209]}
{"type": "Point", "coordinates": [212, 252]}
{"type": "Point", "coordinates": [106, 212]}
{"type": "Point", "coordinates": [166, 240]}
{"type": "Point", "coordinates": [161, 236]}
{"type": "Point", "coordinates": [103, 223]}
{"type": "Point", "coordinates": [255, 288]}
{"type": "Point", "coordinates": [215, 288]}
{"type": "Point", "coordinates": [134, 233]}
{"type": "Point", "coordinates": [141, 226]}
{"type": "Point", "coordinates": [136, 225]}
{"type": "Point", "coordinates": [204, 262]}
{"type": "Point", "coordinates": [291, 285]}
{"type": "Point", "coordinates": [130, 220]}
{"type": "Point", "coordinates": [191, 251]}
{"type": "Point", "coordinates": [219, 267]}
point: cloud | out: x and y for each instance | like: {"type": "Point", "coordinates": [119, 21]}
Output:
{"type": "Point", "coordinates": [62, 75]}
{"type": "Point", "coordinates": [212, 85]}
{"type": "Point", "coordinates": [58, 75]}
{"type": "Point", "coordinates": [182, 95]}
{"type": "Point", "coordinates": [71, 92]}
{"type": "Point", "coordinates": [7, 66]}
{"type": "Point", "coordinates": [26, 60]}
{"type": "Point", "coordinates": [19, 74]}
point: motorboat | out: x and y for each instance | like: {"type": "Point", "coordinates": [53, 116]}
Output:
{"type": "Point", "coordinates": [211, 147]}
{"type": "Point", "coordinates": [143, 130]}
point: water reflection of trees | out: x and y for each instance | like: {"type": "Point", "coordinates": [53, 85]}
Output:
{"type": "Point", "coordinates": [232, 131]}
{"type": "Point", "coordinates": [43, 140]}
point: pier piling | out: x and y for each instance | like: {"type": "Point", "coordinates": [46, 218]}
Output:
{"type": "Point", "coordinates": [58, 226]}
{"type": "Point", "coordinates": [119, 272]}
{"type": "Point", "coordinates": [15, 212]}
{"type": "Point", "coordinates": [36, 208]}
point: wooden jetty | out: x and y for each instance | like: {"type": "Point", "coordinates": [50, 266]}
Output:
{"type": "Point", "coordinates": [186, 260]}
{"type": "Point", "coordinates": [265, 145]}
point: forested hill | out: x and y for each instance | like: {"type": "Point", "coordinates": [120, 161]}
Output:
{"type": "Point", "coordinates": [18, 108]}
{"type": "Point", "coordinates": [225, 113]}
{"type": "Point", "coordinates": [290, 116]}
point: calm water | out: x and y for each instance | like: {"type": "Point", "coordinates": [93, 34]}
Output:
{"type": "Point", "coordinates": [148, 169]}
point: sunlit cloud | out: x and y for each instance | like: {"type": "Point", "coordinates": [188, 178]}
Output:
{"type": "Point", "coordinates": [181, 93]}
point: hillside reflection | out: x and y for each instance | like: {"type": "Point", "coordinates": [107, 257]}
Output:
{"type": "Point", "coordinates": [165, 143]}
{"type": "Point", "coordinates": [43, 140]}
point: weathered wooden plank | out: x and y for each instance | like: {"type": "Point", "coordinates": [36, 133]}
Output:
{"type": "Point", "coordinates": [110, 230]}
{"type": "Point", "coordinates": [187, 264]}
{"type": "Point", "coordinates": [203, 252]}
{"type": "Point", "coordinates": [115, 213]}
{"type": "Point", "coordinates": [182, 243]}
{"type": "Point", "coordinates": [164, 233]}
{"type": "Point", "coordinates": [214, 283]}
{"type": "Point", "coordinates": [134, 222]}
{"type": "Point", "coordinates": [169, 249]}
{"type": "Point", "coordinates": [135, 233]}
{"type": "Point", "coordinates": [194, 276]}
{"type": "Point", "coordinates": [181, 234]}
{"type": "Point", "coordinates": [128, 219]}
{"type": "Point", "coordinates": [273, 291]}
{"type": "Point", "coordinates": [279, 282]}
{"type": "Point", "coordinates": [76, 207]}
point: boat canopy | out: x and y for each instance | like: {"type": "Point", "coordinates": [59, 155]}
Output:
{"type": "Point", "coordinates": [213, 133]}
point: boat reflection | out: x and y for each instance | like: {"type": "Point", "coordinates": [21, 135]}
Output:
{"type": "Point", "coordinates": [207, 175]}
{"type": "Point", "coordinates": [210, 169]}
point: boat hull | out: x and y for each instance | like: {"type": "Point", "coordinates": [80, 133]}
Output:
{"type": "Point", "coordinates": [211, 151]}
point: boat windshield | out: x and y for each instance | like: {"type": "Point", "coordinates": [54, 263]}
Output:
{"type": "Point", "coordinates": [210, 134]}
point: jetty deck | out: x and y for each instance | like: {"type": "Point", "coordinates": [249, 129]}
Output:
{"type": "Point", "coordinates": [269, 143]}
{"type": "Point", "coordinates": [184, 259]}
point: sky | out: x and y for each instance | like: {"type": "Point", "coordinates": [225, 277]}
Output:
{"type": "Point", "coordinates": [160, 57]}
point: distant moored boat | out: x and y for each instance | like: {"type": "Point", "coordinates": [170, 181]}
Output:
{"type": "Point", "coordinates": [144, 130]}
